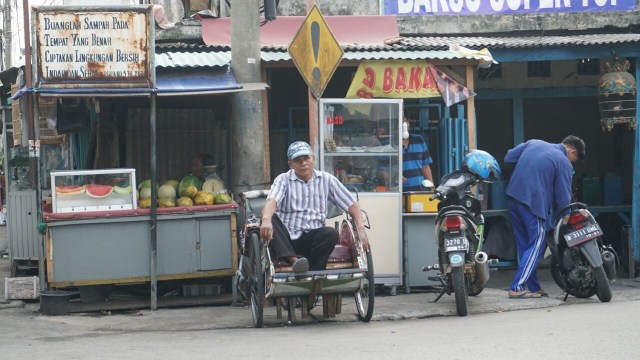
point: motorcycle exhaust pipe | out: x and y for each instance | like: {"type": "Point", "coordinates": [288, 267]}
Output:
{"type": "Point", "coordinates": [609, 263]}
{"type": "Point", "coordinates": [482, 268]}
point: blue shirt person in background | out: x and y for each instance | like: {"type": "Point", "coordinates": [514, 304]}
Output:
{"type": "Point", "coordinates": [415, 160]}
{"type": "Point", "coordinates": [539, 186]}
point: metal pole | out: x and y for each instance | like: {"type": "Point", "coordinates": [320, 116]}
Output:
{"type": "Point", "coordinates": [8, 41]}
{"type": "Point", "coordinates": [313, 108]}
{"type": "Point", "coordinates": [154, 204]}
{"type": "Point", "coordinates": [635, 193]}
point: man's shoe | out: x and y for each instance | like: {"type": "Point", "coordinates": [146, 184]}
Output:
{"type": "Point", "coordinates": [300, 266]}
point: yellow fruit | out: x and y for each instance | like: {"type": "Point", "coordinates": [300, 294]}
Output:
{"type": "Point", "coordinates": [167, 202]}
{"type": "Point", "coordinates": [189, 191]}
{"type": "Point", "coordinates": [222, 198]}
{"type": "Point", "coordinates": [185, 201]}
{"type": "Point", "coordinates": [145, 203]}
{"type": "Point", "coordinates": [203, 198]}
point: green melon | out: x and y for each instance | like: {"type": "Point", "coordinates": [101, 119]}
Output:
{"type": "Point", "coordinates": [188, 184]}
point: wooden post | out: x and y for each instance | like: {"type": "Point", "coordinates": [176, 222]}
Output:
{"type": "Point", "coordinates": [471, 111]}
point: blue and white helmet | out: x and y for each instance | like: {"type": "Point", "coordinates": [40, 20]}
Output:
{"type": "Point", "coordinates": [482, 164]}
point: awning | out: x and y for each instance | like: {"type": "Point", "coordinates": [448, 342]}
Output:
{"type": "Point", "coordinates": [348, 30]}
{"type": "Point", "coordinates": [196, 81]}
{"type": "Point", "coordinates": [173, 82]}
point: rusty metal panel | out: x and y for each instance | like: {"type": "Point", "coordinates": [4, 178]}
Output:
{"type": "Point", "coordinates": [181, 135]}
{"type": "Point", "coordinates": [22, 221]}
{"type": "Point", "coordinates": [93, 47]}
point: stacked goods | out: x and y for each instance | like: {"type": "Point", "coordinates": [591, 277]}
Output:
{"type": "Point", "coordinates": [188, 192]}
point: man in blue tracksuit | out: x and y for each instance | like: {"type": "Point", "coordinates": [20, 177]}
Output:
{"type": "Point", "coordinates": [539, 186]}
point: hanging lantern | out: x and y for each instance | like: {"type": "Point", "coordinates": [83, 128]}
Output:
{"type": "Point", "coordinates": [617, 95]}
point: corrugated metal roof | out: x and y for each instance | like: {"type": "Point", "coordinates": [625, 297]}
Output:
{"type": "Point", "coordinates": [403, 48]}
{"type": "Point", "coordinates": [193, 59]}
{"type": "Point", "coordinates": [270, 56]}
{"type": "Point", "coordinates": [200, 59]}
{"type": "Point", "coordinates": [519, 41]}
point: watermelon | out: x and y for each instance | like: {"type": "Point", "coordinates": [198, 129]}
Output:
{"type": "Point", "coordinates": [98, 191]}
{"type": "Point", "coordinates": [69, 189]}
{"type": "Point", "coordinates": [189, 186]}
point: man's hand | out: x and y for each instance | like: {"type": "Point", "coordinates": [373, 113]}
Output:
{"type": "Point", "coordinates": [266, 227]}
{"type": "Point", "coordinates": [266, 230]}
{"type": "Point", "coordinates": [362, 235]}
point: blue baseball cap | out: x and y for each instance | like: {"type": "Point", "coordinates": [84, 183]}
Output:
{"type": "Point", "coordinates": [298, 148]}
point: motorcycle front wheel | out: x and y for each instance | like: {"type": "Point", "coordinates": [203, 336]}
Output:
{"type": "Point", "coordinates": [603, 289]}
{"type": "Point", "coordinates": [459, 290]}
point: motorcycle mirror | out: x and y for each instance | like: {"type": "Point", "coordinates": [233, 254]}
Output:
{"type": "Point", "coordinates": [428, 184]}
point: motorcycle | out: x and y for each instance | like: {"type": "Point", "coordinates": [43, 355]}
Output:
{"type": "Point", "coordinates": [580, 264]}
{"type": "Point", "coordinates": [463, 266]}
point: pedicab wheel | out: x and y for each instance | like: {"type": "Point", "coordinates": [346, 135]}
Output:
{"type": "Point", "coordinates": [366, 294]}
{"type": "Point", "coordinates": [256, 279]}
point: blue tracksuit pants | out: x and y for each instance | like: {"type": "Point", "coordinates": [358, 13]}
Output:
{"type": "Point", "coordinates": [530, 241]}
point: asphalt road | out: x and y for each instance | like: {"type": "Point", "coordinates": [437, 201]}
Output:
{"type": "Point", "coordinates": [578, 331]}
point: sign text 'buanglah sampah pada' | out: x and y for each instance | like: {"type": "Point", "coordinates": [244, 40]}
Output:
{"type": "Point", "coordinates": [92, 47]}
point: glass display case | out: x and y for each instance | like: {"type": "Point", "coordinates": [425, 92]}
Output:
{"type": "Point", "coordinates": [93, 190]}
{"type": "Point", "coordinates": [360, 142]}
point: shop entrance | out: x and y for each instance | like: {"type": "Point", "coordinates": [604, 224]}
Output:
{"type": "Point", "coordinates": [443, 128]}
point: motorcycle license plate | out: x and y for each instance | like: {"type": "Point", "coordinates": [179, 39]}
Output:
{"type": "Point", "coordinates": [579, 236]}
{"type": "Point", "coordinates": [457, 243]}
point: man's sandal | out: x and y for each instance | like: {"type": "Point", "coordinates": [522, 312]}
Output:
{"type": "Point", "coordinates": [525, 294]}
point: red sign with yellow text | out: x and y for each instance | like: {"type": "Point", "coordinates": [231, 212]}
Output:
{"type": "Point", "coordinates": [405, 79]}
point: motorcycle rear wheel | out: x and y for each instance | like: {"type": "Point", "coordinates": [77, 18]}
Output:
{"type": "Point", "coordinates": [459, 290]}
{"type": "Point", "coordinates": [603, 289]}
{"type": "Point", "coordinates": [559, 278]}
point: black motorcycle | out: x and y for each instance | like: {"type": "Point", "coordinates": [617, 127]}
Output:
{"type": "Point", "coordinates": [463, 267]}
{"type": "Point", "coordinates": [581, 265]}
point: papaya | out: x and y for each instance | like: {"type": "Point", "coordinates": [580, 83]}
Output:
{"type": "Point", "coordinates": [145, 203]}
{"type": "Point", "coordinates": [185, 201]}
{"type": "Point", "coordinates": [222, 198]}
{"type": "Point", "coordinates": [203, 198]}
{"type": "Point", "coordinates": [166, 202]}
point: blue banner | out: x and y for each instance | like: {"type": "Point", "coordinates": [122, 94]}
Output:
{"type": "Point", "coordinates": [491, 7]}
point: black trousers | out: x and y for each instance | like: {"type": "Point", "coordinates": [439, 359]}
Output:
{"type": "Point", "coordinates": [316, 245]}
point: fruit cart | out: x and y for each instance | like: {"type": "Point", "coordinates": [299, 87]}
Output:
{"type": "Point", "coordinates": [95, 234]}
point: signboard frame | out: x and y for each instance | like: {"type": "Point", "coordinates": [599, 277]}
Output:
{"type": "Point", "coordinates": [94, 47]}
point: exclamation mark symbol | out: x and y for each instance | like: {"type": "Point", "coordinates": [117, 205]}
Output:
{"type": "Point", "coordinates": [315, 42]}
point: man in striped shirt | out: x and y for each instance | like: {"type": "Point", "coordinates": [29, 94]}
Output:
{"type": "Point", "coordinates": [415, 161]}
{"type": "Point", "coordinates": [293, 217]}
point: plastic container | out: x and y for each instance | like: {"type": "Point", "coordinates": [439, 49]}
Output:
{"type": "Point", "coordinates": [612, 190]}
{"type": "Point", "coordinates": [497, 195]}
{"type": "Point", "coordinates": [591, 190]}
{"type": "Point", "coordinates": [55, 302]}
